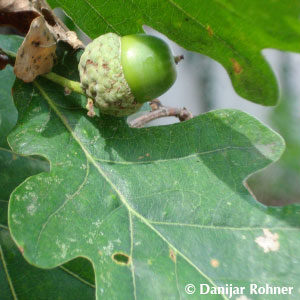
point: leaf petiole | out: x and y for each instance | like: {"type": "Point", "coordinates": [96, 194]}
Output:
{"type": "Point", "coordinates": [72, 85]}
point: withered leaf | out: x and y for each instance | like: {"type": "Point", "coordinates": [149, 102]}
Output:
{"type": "Point", "coordinates": [20, 14]}
{"type": "Point", "coordinates": [36, 54]}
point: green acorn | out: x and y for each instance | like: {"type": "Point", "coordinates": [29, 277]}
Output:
{"type": "Point", "coordinates": [121, 73]}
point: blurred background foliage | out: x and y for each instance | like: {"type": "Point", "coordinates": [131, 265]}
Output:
{"type": "Point", "coordinates": [280, 183]}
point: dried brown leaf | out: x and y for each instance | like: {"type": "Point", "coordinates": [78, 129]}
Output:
{"type": "Point", "coordinates": [16, 5]}
{"type": "Point", "coordinates": [44, 29]}
{"type": "Point", "coordinates": [37, 52]}
{"type": "Point", "coordinates": [20, 14]}
{"type": "Point", "coordinates": [17, 13]}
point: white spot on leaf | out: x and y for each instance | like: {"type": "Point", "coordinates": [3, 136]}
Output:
{"type": "Point", "coordinates": [29, 187]}
{"type": "Point", "coordinates": [63, 248]}
{"type": "Point", "coordinates": [109, 248]}
{"type": "Point", "coordinates": [58, 180]}
{"type": "Point", "coordinates": [97, 223]}
{"type": "Point", "coordinates": [33, 197]}
{"type": "Point", "coordinates": [269, 241]}
{"type": "Point", "coordinates": [15, 220]}
{"type": "Point", "coordinates": [31, 209]}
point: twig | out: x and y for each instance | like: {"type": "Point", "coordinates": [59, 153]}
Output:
{"type": "Point", "coordinates": [160, 111]}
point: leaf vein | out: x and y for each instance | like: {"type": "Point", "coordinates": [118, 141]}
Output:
{"type": "Point", "coordinates": [121, 196]}
{"type": "Point", "coordinates": [77, 276]}
{"type": "Point", "coordinates": [68, 199]}
{"type": "Point", "coordinates": [131, 254]}
{"type": "Point", "coordinates": [223, 227]}
{"type": "Point", "coordinates": [7, 274]}
{"type": "Point", "coordinates": [172, 159]}
{"type": "Point", "coordinates": [4, 227]}
{"type": "Point", "coordinates": [102, 17]}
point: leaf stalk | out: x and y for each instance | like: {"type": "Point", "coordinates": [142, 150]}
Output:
{"type": "Point", "coordinates": [72, 85]}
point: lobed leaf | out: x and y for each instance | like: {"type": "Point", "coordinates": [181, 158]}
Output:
{"type": "Point", "coordinates": [149, 207]}
{"type": "Point", "coordinates": [8, 112]}
{"type": "Point", "coordinates": [18, 279]}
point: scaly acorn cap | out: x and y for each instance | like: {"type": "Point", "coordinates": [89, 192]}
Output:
{"type": "Point", "coordinates": [102, 77]}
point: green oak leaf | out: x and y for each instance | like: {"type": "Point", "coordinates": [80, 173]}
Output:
{"type": "Point", "coordinates": [73, 279]}
{"type": "Point", "coordinates": [8, 112]}
{"type": "Point", "coordinates": [14, 169]}
{"type": "Point", "coordinates": [18, 279]}
{"type": "Point", "coordinates": [233, 32]}
{"type": "Point", "coordinates": [153, 209]}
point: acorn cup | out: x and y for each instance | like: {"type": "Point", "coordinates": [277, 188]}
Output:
{"type": "Point", "coordinates": [122, 73]}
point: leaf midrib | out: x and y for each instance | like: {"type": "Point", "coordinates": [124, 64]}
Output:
{"type": "Point", "coordinates": [114, 187]}
{"type": "Point", "coordinates": [2, 258]}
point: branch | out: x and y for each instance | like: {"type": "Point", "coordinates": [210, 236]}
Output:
{"type": "Point", "coordinates": [160, 111]}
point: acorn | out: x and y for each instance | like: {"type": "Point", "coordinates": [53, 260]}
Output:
{"type": "Point", "coordinates": [122, 73]}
